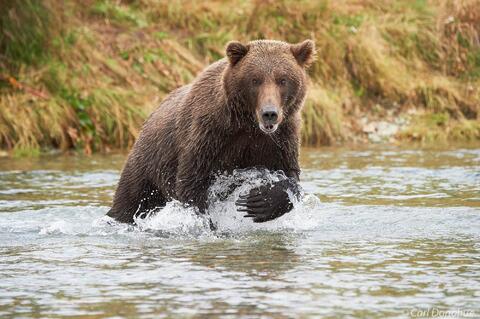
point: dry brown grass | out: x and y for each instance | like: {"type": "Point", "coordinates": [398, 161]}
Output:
{"type": "Point", "coordinates": [103, 65]}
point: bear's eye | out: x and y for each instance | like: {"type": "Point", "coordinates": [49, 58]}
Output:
{"type": "Point", "coordinates": [282, 82]}
{"type": "Point", "coordinates": [256, 81]}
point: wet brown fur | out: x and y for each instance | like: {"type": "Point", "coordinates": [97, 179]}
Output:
{"type": "Point", "coordinates": [211, 126]}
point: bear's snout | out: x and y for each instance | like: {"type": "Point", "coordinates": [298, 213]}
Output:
{"type": "Point", "coordinates": [269, 115]}
{"type": "Point", "coordinates": [269, 108]}
{"type": "Point", "coordinates": [269, 119]}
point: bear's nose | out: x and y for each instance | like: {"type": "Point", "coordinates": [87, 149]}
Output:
{"type": "Point", "coordinates": [269, 116]}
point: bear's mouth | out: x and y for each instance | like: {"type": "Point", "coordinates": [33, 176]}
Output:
{"type": "Point", "coordinates": [268, 128]}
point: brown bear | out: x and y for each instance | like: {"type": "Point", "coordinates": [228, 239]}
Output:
{"type": "Point", "coordinates": [242, 111]}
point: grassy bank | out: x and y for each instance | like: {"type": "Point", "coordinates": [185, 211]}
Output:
{"type": "Point", "coordinates": [84, 75]}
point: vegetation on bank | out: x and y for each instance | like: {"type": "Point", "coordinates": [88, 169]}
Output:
{"type": "Point", "coordinates": [85, 74]}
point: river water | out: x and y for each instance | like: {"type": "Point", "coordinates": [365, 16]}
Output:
{"type": "Point", "coordinates": [382, 232]}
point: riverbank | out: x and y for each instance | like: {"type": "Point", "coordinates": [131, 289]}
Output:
{"type": "Point", "coordinates": [85, 76]}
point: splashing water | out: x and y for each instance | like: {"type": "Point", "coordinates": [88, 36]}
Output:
{"type": "Point", "coordinates": [177, 220]}
{"type": "Point", "coordinates": [228, 220]}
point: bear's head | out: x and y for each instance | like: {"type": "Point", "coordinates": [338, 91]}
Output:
{"type": "Point", "coordinates": [268, 79]}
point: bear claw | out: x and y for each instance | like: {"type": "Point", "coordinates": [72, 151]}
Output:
{"type": "Point", "coordinates": [265, 203]}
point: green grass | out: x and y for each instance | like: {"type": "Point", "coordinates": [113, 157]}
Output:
{"type": "Point", "coordinates": [118, 13]}
{"type": "Point", "coordinates": [84, 76]}
{"type": "Point", "coordinates": [437, 127]}
{"type": "Point", "coordinates": [26, 30]}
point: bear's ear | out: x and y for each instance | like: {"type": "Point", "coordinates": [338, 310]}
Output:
{"type": "Point", "coordinates": [235, 51]}
{"type": "Point", "coordinates": [304, 52]}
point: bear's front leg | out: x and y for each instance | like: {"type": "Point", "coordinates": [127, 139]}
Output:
{"type": "Point", "coordinates": [269, 201]}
